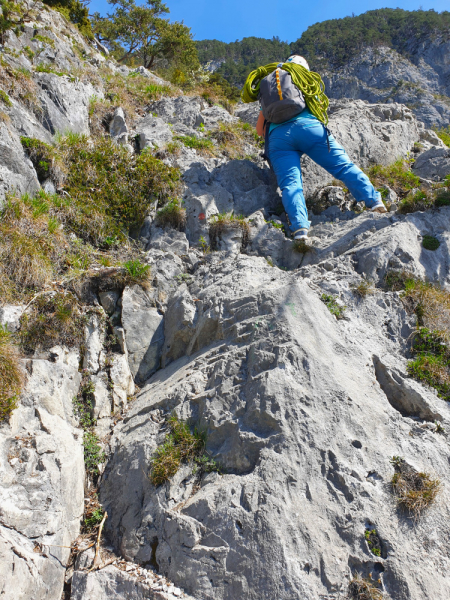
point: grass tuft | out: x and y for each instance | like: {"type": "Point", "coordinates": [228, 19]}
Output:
{"type": "Point", "coordinates": [397, 176]}
{"type": "Point", "coordinates": [180, 446]}
{"type": "Point", "coordinates": [223, 221]}
{"type": "Point", "coordinates": [414, 491]}
{"type": "Point", "coordinates": [301, 246]}
{"type": "Point", "coordinates": [137, 272]}
{"type": "Point", "coordinates": [201, 144]}
{"type": "Point", "coordinates": [364, 288]}
{"type": "Point", "coordinates": [363, 589]}
{"type": "Point", "coordinates": [11, 375]}
{"type": "Point", "coordinates": [172, 215]}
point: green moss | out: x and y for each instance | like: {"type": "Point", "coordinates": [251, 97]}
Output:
{"type": "Point", "coordinates": [40, 154]}
{"type": "Point", "coordinates": [333, 306]}
{"type": "Point", "coordinates": [5, 98]}
{"type": "Point", "coordinates": [429, 242]}
{"type": "Point", "coordinates": [373, 541]}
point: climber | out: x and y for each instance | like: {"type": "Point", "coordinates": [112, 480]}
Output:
{"type": "Point", "coordinates": [294, 120]}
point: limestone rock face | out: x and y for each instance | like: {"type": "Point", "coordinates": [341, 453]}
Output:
{"type": "Point", "coordinates": [304, 419]}
{"type": "Point", "coordinates": [41, 487]}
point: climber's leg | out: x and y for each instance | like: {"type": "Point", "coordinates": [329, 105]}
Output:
{"type": "Point", "coordinates": [313, 142]}
{"type": "Point", "coordinates": [285, 161]}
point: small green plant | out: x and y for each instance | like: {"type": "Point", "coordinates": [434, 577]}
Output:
{"type": "Point", "coordinates": [414, 491]}
{"type": "Point", "coordinates": [172, 214]}
{"type": "Point", "coordinates": [439, 428]}
{"type": "Point", "coordinates": [333, 306]}
{"type": "Point", "coordinates": [93, 518]}
{"type": "Point", "coordinates": [40, 154]}
{"type": "Point", "coordinates": [364, 288]}
{"type": "Point", "coordinates": [301, 246]}
{"type": "Point", "coordinates": [11, 376]}
{"type": "Point", "coordinates": [5, 98]}
{"type": "Point", "coordinates": [46, 69]}
{"type": "Point", "coordinates": [416, 201]}
{"type": "Point", "coordinates": [397, 280]}
{"type": "Point", "coordinates": [29, 52]}
{"type": "Point", "coordinates": [397, 176]}
{"type": "Point", "coordinates": [155, 91]}
{"type": "Point", "coordinates": [205, 248]}
{"type": "Point", "coordinates": [93, 453]}
{"type": "Point", "coordinates": [373, 541]}
{"type": "Point", "coordinates": [363, 589]}
{"type": "Point", "coordinates": [44, 39]}
{"type": "Point", "coordinates": [417, 146]}
{"type": "Point", "coordinates": [429, 242]}
{"type": "Point", "coordinates": [179, 446]}
{"type": "Point", "coordinates": [137, 272]}
{"type": "Point", "coordinates": [223, 221]}
{"type": "Point", "coordinates": [269, 261]}
{"type": "Point", "coordinates": [194, 142]}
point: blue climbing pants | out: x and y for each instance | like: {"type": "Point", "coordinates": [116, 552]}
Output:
{"type": "Point", "coordinates": [288, 142]}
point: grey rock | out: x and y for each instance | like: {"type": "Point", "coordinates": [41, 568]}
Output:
{"type": "Point", "coordinates": [49, 187]}
{"type": "Point", "coordinates": [294, 432]}
{"type": "Point", "coordinates": [41, 488]}
{"type": "Point", "coordinates": [122, 381]}
{"type": "Point", "coordinates": [118, 128]}
{"type": "Point", "coordinates": [10, 316]}
{"type": "Point", "coordinates": [102, 399]}
{"type": "Point", "coordinates": [185, 110]}
{"type": "Point", "coordinates": [212, 116]}
{"type": "Point", "coordinates": [109, 300]}
{"type": "Point", "coordinates": [94, 355]}
{"type": "Point", "coordinates": [249, 113]}
{"type": "Point", "coordinates": [144, 332]}
{"type": "Point", "coordinates": [168, 239]}
{"type": "Point", "coordinates": [433, 164]}
{"type": "Point", "coordinates": [153, 132]}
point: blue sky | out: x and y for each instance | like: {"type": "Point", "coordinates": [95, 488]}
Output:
{"type": "Point", "coordinates": [230, 20]}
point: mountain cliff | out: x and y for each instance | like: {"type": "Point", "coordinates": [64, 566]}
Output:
{"type": "Point", "coordinates": [193, 405]}
{"type": "Point", "coordinates": [386, 55]}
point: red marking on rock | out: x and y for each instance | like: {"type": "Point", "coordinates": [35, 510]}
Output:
{"type": "Point", "coordinates": [202, 216]}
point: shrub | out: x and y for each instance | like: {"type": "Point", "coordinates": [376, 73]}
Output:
{"type": "Point", "coordinates": [11, 376]}
{"type": "Point", "coordinates": [414, 491]}
{"type": "Point", "coordinates": [50, 321]}
{"type": "Point", "coordinates": [180, 446]}
{"type": "Point", "coordinates": [172, 215]}
{"type": "Point", "coordinates": [429, 242]}
{"type": "Point", "coordinates": [333, 306]}
{"type": "Point", "coordinates": [111, 191]}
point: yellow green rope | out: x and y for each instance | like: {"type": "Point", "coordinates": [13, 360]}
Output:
{"type": "Point", "coordinates": [310, 84]}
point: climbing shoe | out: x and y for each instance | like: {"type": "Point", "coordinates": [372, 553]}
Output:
{"type": "Point", "coordinates": [379, 207]}
{"type": "Point", "coordinates": [300, 234]}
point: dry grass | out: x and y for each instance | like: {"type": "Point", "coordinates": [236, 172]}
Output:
{"type": "Point", "coordinates": [172, 215]}
{"type": "Point", "coordinates": [233, 138]}
{"type": "Point", "coordinates": [414, 491]}
{"type": "Point", "coordinates": [363, 589]}
{"type": "Point", "coordinates": [18, 84]}
{"type": "Point", "coordinates": [364, 288]}
{"type": "Point", "coordinates": [11, 375]}
{"type": "Point", "coordinates": [55, 319]}
{"type": "Point", "coordinates": [301, 246]}
{"type": "Point", "coordinates": [221, 222]}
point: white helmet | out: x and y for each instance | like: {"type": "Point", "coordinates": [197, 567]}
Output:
{"type": "Point", "coordinates": [298, 60]}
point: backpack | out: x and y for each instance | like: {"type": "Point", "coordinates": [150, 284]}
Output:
{"type": "Point", "coordinates": [279, 97]}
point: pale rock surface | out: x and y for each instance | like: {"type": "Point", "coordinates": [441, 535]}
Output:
{"type": "Point", "coordinates": [10, 316]}
{"type": "Point", "coordinates": [153, 132]}
{"type": "Point", "coordinates": [41, 487]}
{"type": "Point", "coordinates": [304, 439]}
{"type": "Point", "coordinates": [144, 332]}
{"type": "Point", "coordinates": [94, 333]}
{"type": "Point", "coordinates": [168, 239]}
{"type": "Point", "coordinates": [434, 164]}
{"type": "Point", "coordinates": [122, 381]}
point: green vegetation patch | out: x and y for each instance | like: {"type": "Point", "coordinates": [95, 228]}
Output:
{"type": "Point", "coordinates": [111, 191]}
{"type": "Point", "coordinates": [40, 154]}
{"type": "Point", "coordinates": [191, 141]}
{"type": "Point", "coordinates": [93, 518]}
{"type": "Point", "coordinates": [5, 98]}
{"type": "Point", "coordinates": [11, 375]}
{"type": "Point", "coordinates": [413, 491]}
{"type": "Point", "coordinates": [137, 272]}
{"type": "Point", "coordinates": [83, 407]}
{"type": "Point", "coordinates": [373, 541]}
{"type": "Point", "coordinates": [364, 288]}
{"type": "Point", "coordinates": [429, 242]}
{"type": "Point", "coordinates": [444, 134]}
{"type": "Point", "coordinates": [336, 309]}
{"type": "Point", "coordinates": [223, 221]}
{"type": "Point", "coordinates": [52, 319]}
{"type": "Point", "coordinates": [44, 39]}
{"type": "Point", "coordinates": [415, 201]}
{"type": "Point", "coordinates": [180, 446]}
{"type": "Point", "coordinates": [172, 215]}
{"type": "Point", "coordinates": [398, 176]}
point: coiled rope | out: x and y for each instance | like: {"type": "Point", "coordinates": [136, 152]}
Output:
{"type": "Point", "coordinates": [309, 83]}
